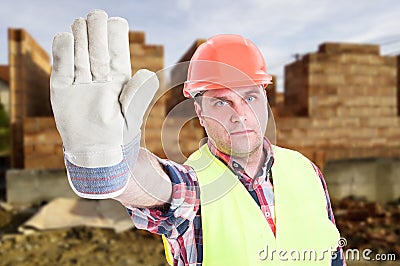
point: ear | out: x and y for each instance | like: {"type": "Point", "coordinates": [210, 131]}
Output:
{"type": "Point", "coordinates": [199, 113]}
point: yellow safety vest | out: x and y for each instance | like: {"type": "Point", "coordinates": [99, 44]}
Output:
{"type": "Point", "coordinates": [235, 232]}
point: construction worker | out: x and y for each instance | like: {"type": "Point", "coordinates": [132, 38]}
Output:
{"type": "Point", "coordinates": [238, 200]}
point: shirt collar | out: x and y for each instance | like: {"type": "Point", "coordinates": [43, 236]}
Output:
{"type": "Point", "coordinates": [239, 170]}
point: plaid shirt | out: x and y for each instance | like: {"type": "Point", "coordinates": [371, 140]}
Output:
{"type": "Point", "coordinates": [180, 220]}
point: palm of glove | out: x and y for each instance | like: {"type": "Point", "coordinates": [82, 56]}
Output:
{"type": "Point", "coordinates": [97, 106]}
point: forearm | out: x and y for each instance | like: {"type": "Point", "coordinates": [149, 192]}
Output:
{"type": "Point", "coordinates": [149, 185]}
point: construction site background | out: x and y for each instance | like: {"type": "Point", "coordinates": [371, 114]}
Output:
{"type": "Point", "coordinates": [340, 107]}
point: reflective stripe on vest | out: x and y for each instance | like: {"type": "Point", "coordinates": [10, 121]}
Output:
{"type": "Point", "coordinates": [235, 232]}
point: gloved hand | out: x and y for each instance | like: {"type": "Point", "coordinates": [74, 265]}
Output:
{"type": "Point", "coordinates": [97, 106]}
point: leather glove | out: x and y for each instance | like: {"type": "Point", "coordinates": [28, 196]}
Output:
{"type": "Point", "coordinates": [97, 105]}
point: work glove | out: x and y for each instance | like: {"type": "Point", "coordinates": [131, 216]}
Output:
{"type": "Point", "coordinates": [97, 105]}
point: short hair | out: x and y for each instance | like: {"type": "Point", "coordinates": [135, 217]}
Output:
{"type": "Point", "coordinates": [198, 97]}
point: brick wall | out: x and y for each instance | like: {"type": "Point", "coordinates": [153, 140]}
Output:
{"type": "Point", "coordinates": [150, 57]}
{"type": "Point", "coordinates": [42, 144]}
{"type": "Point", "coordinates": [145, 55]}
{"type": "Point", "coordinates": [398, 85]}
{"type": "Point", "coordinates": [29, 67]}
{"type": "Point", "coordinates": [350, 110]}
{"type": "Point", "coordinates": [5, 73]}
{"type": "Point", "coordinates": [179, 75]}
{"type": "Point", "coordinates": [295, 94]}
{"type": "Point", "coordinates": [348, 93]}
{"type": "Point", "coordinates": [182, 132]}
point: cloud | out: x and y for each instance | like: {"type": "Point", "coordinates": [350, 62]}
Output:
{"type": "Point", "coordinates": [184, 5]}
{"type": "Point", "coordinates": [280, 28]}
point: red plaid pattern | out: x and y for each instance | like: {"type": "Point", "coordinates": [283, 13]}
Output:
{"type": "Point", "coordinates": [180, 221]}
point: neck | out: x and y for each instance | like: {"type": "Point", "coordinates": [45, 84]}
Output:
{"type": "Point", "coordinates": [253, 162]}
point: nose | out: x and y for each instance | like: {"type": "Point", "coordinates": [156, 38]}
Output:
{"type": "Point", "coordinates": [240, 112]}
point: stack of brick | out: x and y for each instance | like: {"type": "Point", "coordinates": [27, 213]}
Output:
{"type": "Point", "coordinates": [340, 103]}
{"type": "Point", "coordinates": [150, 57]}
{"type": "Point", "coordinates": [152, 124]}
{"type": "Point", "coordinates": [181, 136]}
{"type": "Point", "coordinates": [29, 67]}
{"type": "Point", "coordinates": [344, 98]}
{"type": "Point", "coordinates": [182, 132]}
{"type": "Point", "coordinates": [179, 75]}
{"type": "Point", "coordinates": [144, 55]}
{"type": "Point", "coordinates": [5, 73]}
{"type": "Point", "coordinates": [296, 97]}
{"type": "Point", "coordinates": [398, 85]}
{"type": "Point", "coordinates": [42, 144]}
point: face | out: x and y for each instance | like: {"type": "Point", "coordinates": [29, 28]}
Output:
{"type": "Point", "coordinates": [234, 119]}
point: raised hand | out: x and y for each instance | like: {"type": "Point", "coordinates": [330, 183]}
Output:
{"type": "Point", "coordinates": [97, 105]}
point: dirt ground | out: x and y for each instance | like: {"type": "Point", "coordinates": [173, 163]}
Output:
{"type": "Point", "coordinates": [363, 224]}
{"type": "Point", "coordinates": [80, 246]}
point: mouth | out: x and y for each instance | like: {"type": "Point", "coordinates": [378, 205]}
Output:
{"type": "Point", "coordinates": [242, 132]}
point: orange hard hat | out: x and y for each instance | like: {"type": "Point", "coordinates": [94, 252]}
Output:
{"type": "Point", "coordinates": [225, 61]}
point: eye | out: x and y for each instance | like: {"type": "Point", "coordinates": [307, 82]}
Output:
{"type": "Point", "coordinates": [221, 103]}
{"type": "Point", "coordinates": [250, 98]}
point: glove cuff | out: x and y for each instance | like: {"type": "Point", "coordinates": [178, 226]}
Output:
{"type": "Point", "coordinates": [104, 182]}
{"type": "Point", "coordinates": [131, 151]}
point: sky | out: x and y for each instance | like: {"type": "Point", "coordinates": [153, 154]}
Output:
{"type": "Point", "coordinates": [280, 28]}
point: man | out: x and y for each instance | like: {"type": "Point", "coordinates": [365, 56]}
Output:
{"type": "Point", "coordinates": [238, 200]}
